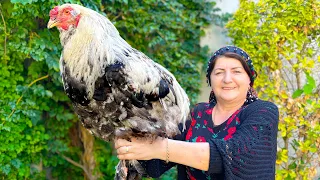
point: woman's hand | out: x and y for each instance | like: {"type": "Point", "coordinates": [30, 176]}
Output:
{"type": "Point", "coordinates": [141, 149]}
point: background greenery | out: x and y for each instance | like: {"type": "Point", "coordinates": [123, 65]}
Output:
{"type": "Point", "coordinates": [39, 134]}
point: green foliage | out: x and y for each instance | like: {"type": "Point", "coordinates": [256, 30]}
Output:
{"type": "Point", "coordinates": [168, 32]}
{"type": "Point", "coordinates": [282, 38]}
{"type": "Point", "coordinates": [39, 132]}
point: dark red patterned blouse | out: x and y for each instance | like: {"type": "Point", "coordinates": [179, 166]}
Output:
{"type": "Point", "coordinates": [202, 128]}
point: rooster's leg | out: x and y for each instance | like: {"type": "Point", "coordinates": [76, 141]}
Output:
{"type": "Point", "coordinates": [121, 171]}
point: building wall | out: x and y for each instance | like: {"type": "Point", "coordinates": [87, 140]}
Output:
{"type": "Point", "coordinates": [214, 39]}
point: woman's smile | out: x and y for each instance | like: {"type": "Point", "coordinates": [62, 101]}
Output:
{"type": "Point", "coordinates": [228, 88]}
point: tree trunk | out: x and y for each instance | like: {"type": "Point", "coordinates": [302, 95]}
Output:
{"type": "Point", "coordinates": [88, 159]}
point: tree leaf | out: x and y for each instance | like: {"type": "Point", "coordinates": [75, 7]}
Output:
{"type": "Point", "coordinates": [311, 81]}
{"type": "Point", "coordinates": [293, 165]}
{"type": "Point", "coordinates": [307, 88]}
{"type": "Point", "coordinates": [297, 93]}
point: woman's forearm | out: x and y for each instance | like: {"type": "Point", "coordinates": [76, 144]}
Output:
{"type": "Point", "coordinates": [191, 154]}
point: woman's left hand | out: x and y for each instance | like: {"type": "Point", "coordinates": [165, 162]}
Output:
{"type": "Point", "coordinates": [141, 149]}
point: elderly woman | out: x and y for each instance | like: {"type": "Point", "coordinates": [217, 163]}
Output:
{"type": "Point", "coordinates": [234, 136]}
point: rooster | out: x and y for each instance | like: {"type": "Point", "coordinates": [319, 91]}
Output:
{"type": "Point", "coordinates": [116, 90]}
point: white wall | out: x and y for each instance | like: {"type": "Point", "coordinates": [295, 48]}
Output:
{"type": "Point", "coordinates": [215, 39]}
{"type": "Point", "coordinates": [229, 6]}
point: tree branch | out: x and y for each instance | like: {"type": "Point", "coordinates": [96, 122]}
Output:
{"type": "Point", "coordinates": [284, 75]}
{"type": "Point", "coordinates": [5, 32]}
{"type": "Point", "coordinates": [18, 101]}
{"type": "Point", "coordinates": [76, 164]}
{"type": "Point", "coordinates": [298, 72]}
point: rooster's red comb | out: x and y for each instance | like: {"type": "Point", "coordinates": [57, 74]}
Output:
{"type": "Point", "coordinates": [54, 12]}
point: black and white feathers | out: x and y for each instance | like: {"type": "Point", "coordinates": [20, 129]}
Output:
{"type": "Point", "coordinates": [116, 90]}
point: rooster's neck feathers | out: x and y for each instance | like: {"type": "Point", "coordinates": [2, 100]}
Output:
{"type": "Point", "coordinates": [91, 46]}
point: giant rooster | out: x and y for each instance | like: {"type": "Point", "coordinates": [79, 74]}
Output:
{"type": "Point", "coordinates": [116, 90]}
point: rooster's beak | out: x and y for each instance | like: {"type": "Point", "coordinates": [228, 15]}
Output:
{"type": "Point", "coordinates": [52, 23]}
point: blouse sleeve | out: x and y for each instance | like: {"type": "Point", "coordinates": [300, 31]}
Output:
{"type": "Point", "coordinates": [251, 152]}
{"type": "Point", "coordinates": [156, 167]}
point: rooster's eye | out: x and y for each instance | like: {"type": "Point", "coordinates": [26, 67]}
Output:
{"type": "Point", "coordinates": [67, 12]}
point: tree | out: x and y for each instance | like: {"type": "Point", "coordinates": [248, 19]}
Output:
{"type": "Point", "coordinates": [282, 37]}
{"type": "Point", "coordinates": [39, 134]}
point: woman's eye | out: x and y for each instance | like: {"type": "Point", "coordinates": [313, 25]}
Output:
{"type": "Point", "coordinates": [237, 72]}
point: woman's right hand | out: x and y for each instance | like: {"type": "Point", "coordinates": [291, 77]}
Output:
{"type": "Point", "coordinates": [141, 149]}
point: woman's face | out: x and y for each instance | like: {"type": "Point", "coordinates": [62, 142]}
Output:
{"type": "Point", "coordinates": [229, 80]}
